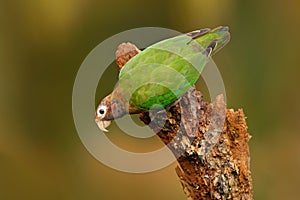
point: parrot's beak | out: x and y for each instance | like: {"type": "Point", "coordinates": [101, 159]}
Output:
{"type": "Point", "coordinates": [102, 124]}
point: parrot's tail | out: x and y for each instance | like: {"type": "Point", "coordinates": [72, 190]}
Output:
{"type": "Point", "coordinates": [222, 36]}
{"type": "Point", "coordinates": [211, 40]}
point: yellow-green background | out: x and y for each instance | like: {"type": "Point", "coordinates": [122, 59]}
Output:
{"type": "Point", "coordinates": [43, 43]}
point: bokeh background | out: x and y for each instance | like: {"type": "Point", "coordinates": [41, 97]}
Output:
{"type": "Point", "coordinates": [42, 45]}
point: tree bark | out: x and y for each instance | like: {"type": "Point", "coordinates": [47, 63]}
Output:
{"type": "Point", "coordinates": [209, 141]}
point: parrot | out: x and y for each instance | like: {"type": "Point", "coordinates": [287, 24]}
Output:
{"type": "Point", "coordinates": [159, 75]}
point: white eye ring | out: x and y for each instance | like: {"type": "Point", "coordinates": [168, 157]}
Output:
{"type": "Point", "coordinates": [101, 111]}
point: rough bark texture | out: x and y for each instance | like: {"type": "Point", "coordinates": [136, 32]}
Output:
{"type": "Point", "coordinates": [209, 141]}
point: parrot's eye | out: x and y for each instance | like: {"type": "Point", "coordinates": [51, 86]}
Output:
{"type": "Point", "coordinates": [101, 111]}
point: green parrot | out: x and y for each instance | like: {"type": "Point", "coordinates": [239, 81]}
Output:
{"type": "Point", "coordinates": [160, 74]}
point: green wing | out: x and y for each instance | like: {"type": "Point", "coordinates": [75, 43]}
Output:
{"type": "Point", "coordinates": [163, 72]}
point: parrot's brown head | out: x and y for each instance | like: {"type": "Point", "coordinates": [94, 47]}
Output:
{"type": "Point", "coordinates": [108, 110]}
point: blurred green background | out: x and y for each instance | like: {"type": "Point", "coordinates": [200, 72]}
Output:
{"type": "Point", "coordinates": [43, 43]}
